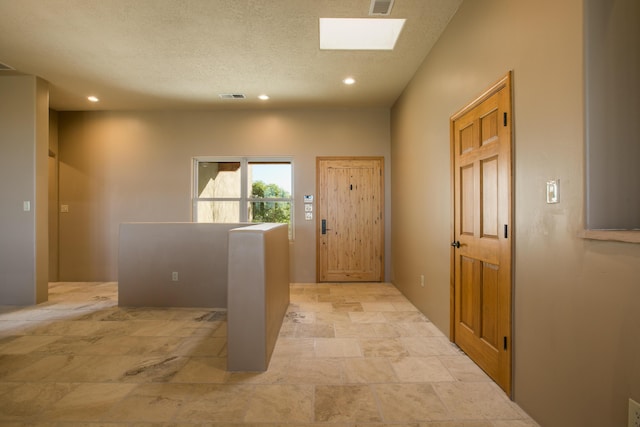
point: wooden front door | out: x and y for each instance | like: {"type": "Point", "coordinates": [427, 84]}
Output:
{"type": "Point", "coordinates": [481, 248]}
{"type": "Point", "coordinates": [350, 225]}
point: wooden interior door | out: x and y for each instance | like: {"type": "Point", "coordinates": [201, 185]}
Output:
{"type": "Point", "coordinates": [481, 248]}
{"type": "Point", "coordinates": [350, 225]}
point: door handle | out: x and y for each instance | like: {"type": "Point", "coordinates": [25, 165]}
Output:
{"type": "Point", "coordinates": [455, 244]}
{"type": "Point", "coordinates": [324, 227]}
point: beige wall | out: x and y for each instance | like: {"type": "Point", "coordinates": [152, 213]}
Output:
{"type": "Point", "coordinates": [136, 167]}
{"type": "Point", "coordinates": [149, 253]}
{"type": "Point", "coordinates": [577, 325]}
{"type": "Point", "coordinates": [258, 294]}
{"type": "Point", "coordinates": [24, 104]}
{"type": "Point", "coordinates": [53, 196]}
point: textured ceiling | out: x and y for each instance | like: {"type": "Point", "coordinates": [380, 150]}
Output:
{"type": "Point", "coordinates": [180, 54]}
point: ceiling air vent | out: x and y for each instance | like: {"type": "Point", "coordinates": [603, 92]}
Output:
{"type": "Point", "coordinates": [4, 67]}
{"type": "Point", "coordinates": [380, 7]}
{"type": "Point", "coordinates": [232, 96]}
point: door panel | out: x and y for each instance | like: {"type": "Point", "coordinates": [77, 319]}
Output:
{"type": "Point", "coordinates": [482, 252]}
{"type": "Point", "coordinates": [489, 201]}
{"type": "Point", "coordinates": [467, 202]}
{"type": "Point", "coordinates": [350, 194]}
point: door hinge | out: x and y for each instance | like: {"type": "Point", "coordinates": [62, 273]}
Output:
{"type": "Point", "coordinates": [504, 119]}
{"type": "Point", "coordinates": [351, 187]}
{"type": "Point", "coordinates": [505, 342]}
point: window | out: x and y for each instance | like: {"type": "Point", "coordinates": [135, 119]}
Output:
{"type": "Point", "coordinates": [612, 66]}
{"type": "Point", "coordinates": [243, 190]}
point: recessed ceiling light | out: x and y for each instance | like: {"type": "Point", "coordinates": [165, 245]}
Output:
{"type": "Point", "coordinates": [263, 97]}
{"type": "Point", "coordinates": [359, 34]}
{"type": "Point", "coordinates": [349, 81]}
{"type": "Point", "coordinates": [93, 98]}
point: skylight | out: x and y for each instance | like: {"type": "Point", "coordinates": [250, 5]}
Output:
{"type": "Point", "coordinates": [359, 33]}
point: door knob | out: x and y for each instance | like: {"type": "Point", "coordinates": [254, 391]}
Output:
{"type": "Point", "coordinates": [455, 244]}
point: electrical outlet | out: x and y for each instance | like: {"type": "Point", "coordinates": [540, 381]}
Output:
{"type": "Point", "coordinates": [634, 413]}
{"type": "Point", "coordinates": [174, 276]}
{"type": "Point", "coordinates": [422, 280]}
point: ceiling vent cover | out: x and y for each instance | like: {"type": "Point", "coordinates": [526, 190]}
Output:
{"type": "Point", "coordinates": [232, 96]}
{"type": "Point", "coordinates": [4, 67]}
{"type": "Point", "coordinates": [380, 7]}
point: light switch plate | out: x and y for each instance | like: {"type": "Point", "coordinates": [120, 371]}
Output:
{"type": "Point", "coordinates": [308, 216]}
{"type": "Point", "coordinates": [553, 191]}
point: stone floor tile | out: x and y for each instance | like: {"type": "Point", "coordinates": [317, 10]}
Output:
{"type": "Point", "coordinates": [337, 347]}
{"type": "Point", "coordinates": [218, 402]}
{"type": "Point", "coordinates": [314, 330]}
{"type": "Point", "coordinates": [420, 369]}
{"type": "Point", "coordinates": [313, 371]}
{"type": "Point", "coordinates": [410, 403]}
{"type": "Point", "coordinates": [27, 400]}
{"type": "Point", "coordinates": [294, 348]}
{"type": "Point", "coordinates": [378, 306]}
{"type": "Point", "coordinates": [12, 363]}
{"type": "Point", "coordinates": [79, 360]}
{"type": "Point", "coordinates": [367, 317]}
{"type": "Point", "coordinates": [382, 347]}
{"type": "Point", "coordinates": [515, 423]}
{"type": "Point", "coordinates": [315, 306]}
{"type": "Point", "coordinates": [300, 317]}
{"type": "Point", "coordinates": [369, 370]}
{"type": "Point", "coordinates": [201, 346]}
{"type": "Point", "coordinates": [146, 403]}
{"type": "Point", "coordinates": [345, 403]}
{"type": "Point", "coordinates": [347, 306]}
{"type": "Point", "coordinates": [463, 369]}
{"type": "Point", "coordinates": [430, 346]}
{"type": "Point", "coordinates": [355, 330]}
{"type": "Point", "coordinates": [281, 403]}
{"type": "Point", "coordinates": [87, 402]}
{"type": "Point", "coordinates": [332, 317]}
{"type": "Point", "coordinates": [405, 316]}
{"type": "Point", "coordinates": [482, 400]}
{"type": "Point", "coordinates": [153, 369]}
{"type": "Point", "coordinates": [25, 344]}
{"type": "Point", "coordinates": [457, 424]}
{"type": "Point", "coordinates": [202, 370]}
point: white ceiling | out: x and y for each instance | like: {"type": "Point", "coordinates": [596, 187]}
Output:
{"type": "Point", "coordinates": [180, 54]}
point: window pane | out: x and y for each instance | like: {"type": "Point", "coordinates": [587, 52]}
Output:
{"type": "Point", "coordinates": [270, 212]}
{"type": "Point", "coordinates": [218, 211]}
{"type": "Point", "coordinates": [269, 180]}
{"type": "Point", "coordinates": [219, 179]}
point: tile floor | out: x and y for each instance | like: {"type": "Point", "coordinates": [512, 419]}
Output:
{"type": "Point", "coordinates": [348, 355]}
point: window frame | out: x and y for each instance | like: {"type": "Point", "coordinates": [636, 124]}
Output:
{"type": "Point", "coordinates": [606, 71]}
{"type": "Point", "coordinates": [245, 198]}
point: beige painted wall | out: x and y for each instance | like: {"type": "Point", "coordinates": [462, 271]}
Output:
{"type": "Point", "coordinates": [53, 196]}
{"type": "Point", "coordinates": [258, 294]}
{"type": "Point", "coordinates": [148, 254]}
{"type": "Point", "coordinates": [136, 167]}
{"type": "Point", "coordinates": [577, 326]}
{"type": "Point", "coordinates": [24, 106]}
